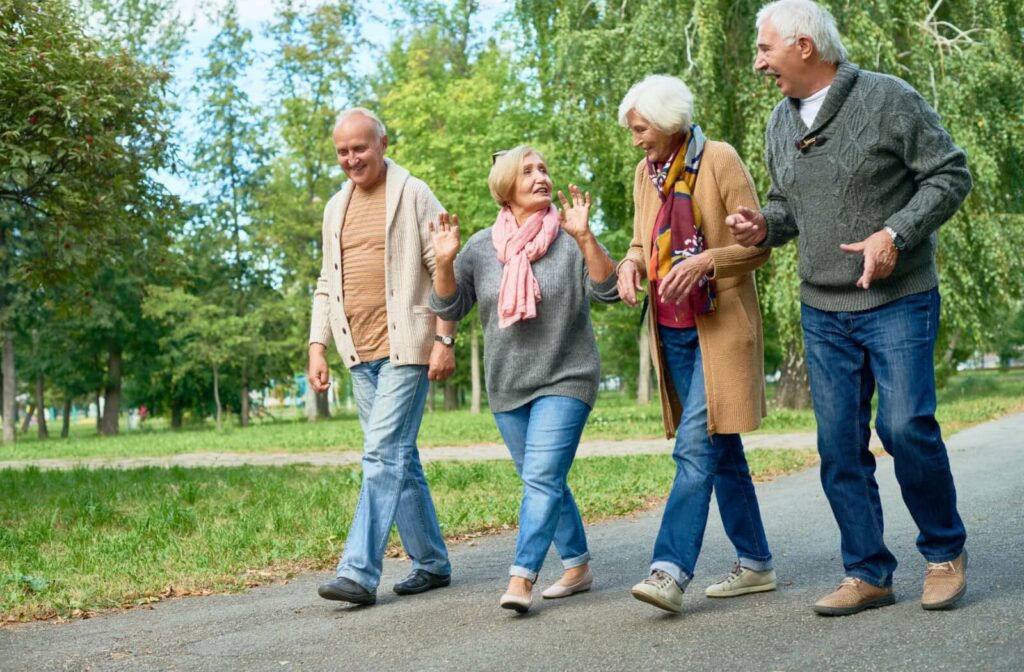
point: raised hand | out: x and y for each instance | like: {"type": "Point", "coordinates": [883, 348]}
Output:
{"type": "Point", "coordinates": [748, 226]}
{"type": "Point", "coordinates": [445, 237]}
{"type": "Point", "coordinates": [575, 218]}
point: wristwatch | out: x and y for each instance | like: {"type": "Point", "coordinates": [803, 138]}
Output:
{"type": "Point", "coordinates": [446, 341]}
{"type": "Point", "coordinates": [897, 239]}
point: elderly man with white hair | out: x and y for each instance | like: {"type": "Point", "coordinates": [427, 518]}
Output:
{"type": "Point", "coordinates": [371, 298]}
{"type": "Point", "coordinates": [705, 335]}
{"type": "Point", "coordinates": [863, 174]}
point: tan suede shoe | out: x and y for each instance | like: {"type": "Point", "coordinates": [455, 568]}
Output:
{"type": "Point", "coordinates": [945, 583]}
{"type": "Point", "coordinates": [852, 596]}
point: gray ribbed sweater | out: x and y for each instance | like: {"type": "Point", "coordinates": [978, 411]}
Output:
{"type": "Point", "coordinates": [882, 158]}
{"type": "Point", "coordinates": [555, 353]}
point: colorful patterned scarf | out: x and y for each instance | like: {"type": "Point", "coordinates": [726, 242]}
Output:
{"type": "Point", "coordinates": [678, 231]}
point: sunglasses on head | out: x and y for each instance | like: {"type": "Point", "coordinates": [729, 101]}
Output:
{"type": "Point", "coordinates": [494, 157]}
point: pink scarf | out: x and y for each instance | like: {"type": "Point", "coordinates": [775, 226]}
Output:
{"type": "Point", "coordinates": [517, 247]}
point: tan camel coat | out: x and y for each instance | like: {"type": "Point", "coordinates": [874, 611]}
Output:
{"type": "Point", "coordinates": [731, 344]}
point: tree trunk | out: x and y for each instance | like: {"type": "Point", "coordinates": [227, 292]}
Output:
{"type": "Point", "coordinates": [643, 376]}
{"type": "Point", "coordinates": [243, 412]}
{"type": "Point", "coordinates": [65, 427]}
{"type": "Point", "coordinates": [216, 393]}
{"type": "Point", "coordinates": [474, 369]}
{"type": "Point", "coordinates": [99, 412]}
{"type": "Point", "coordinates": [177, 413]}
{"type": "Point", "coordinates": [792, 390]}
{"type": "Point", "coordinates": [10, 389]}
{"type": "Point", "coordinates": [451, 397]}
{"type": "Point", "coordinates": [112, 392]}
{"type": "Point", "coordinates": [41, 408]}
{"type": "Point", "coordinates": [323, 405]}
{"type": "Point", "coordinates": [28, 419]}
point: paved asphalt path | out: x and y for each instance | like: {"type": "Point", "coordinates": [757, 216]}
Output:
{"type": "Point", "coordinates": [287, 627]}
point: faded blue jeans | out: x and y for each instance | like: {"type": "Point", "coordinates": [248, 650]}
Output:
{"type": "Point", "coordinates": [704, 463]}
{"type": "Point", "coordinates": [849, 354]}
{"type": "Point", "coordinates": [542, 436]}
{"type": "Point", "coordinates": [394, 491]}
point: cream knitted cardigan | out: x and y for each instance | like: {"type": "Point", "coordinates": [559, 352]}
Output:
{"type": "Point", "coordinates": [409, 207]}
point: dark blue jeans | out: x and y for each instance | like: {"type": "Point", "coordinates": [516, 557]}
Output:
{"type": "Point", "coordinates": [849, 355]}
{"type": "Point", "coordinates": [704, 462]}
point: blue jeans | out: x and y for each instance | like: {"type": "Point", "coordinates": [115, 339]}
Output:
{"type": "Point", "coordinates": [542, 436]}
{"type": "Point", "coordinates": [704, 463]}
{"type": "Point", "coordinates": [849, 354]}
{"type": "Point", "coordinates": [390, 400]}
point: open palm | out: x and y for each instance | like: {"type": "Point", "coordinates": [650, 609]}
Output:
{"type": "Point", "coordinates": [575, 215]}
{"type": "Point", "coordinates": [445, 236]}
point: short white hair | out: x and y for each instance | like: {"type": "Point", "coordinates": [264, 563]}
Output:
{"type": "Point", "coordinates": [664, 101]}
{"type": "Point", "coordinates": [803, 18]}
{"type": "Point", "coordinates": [377, 123]}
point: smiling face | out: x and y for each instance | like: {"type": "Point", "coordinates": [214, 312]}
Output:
{"type": "Point", "coordinates": [657, 144]}
{"type": "Point", "coordinates": [532, 191]}
{"type": "Point", "coordinates": [789, 64]}
{"type": "Point", "coordinates": [360, 151]}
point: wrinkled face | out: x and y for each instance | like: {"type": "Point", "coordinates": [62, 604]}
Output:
{"type": "Point", "coordinates": [776, 58]}
{"type": "Point", "coordinates": [533, 185]}
{"type": "Point", "coordinates": [360, 152]}
{"type": "Point", "coordinates": [657, 144]}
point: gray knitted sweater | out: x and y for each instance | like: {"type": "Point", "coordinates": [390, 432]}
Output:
{"type": "Point", "coordinates": [555, 353]}
{"type": "Point", "coordinates": [882, 158]}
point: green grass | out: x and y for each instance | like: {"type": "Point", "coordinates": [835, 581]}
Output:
{"type": "Point", "coordinates": [967, 400]}
{"type": "Point", "coordinates": [77, 541]}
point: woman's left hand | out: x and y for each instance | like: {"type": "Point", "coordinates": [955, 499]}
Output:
{"type": "Point", "coordinates": [575, 217]}
{"type": "Point", "coordinates": [684, 276]}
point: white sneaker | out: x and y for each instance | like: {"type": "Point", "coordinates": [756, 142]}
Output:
{"type": "Point", "coordinates": [742, 581]}
{"type": "Point", "coordinates": [661, 590]}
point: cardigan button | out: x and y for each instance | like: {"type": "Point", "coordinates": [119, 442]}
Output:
{"type": "Point", "coordinates": [335, 267]}
{"type": "Point", "coordinates": [344, 330]}
{"type": "Point", "coordinates": [352, 357]}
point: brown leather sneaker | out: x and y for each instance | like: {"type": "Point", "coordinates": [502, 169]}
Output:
{"type": "Point", "coordinates": [854, 595]}
{"type": "Point", "coordinates": [945, 583]}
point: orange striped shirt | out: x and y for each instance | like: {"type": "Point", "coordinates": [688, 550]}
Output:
{"type": "Point", "coordinates": [362, 272]}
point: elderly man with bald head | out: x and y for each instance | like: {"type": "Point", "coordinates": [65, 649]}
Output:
{"type": "Point", "coordinates": [372, 299]}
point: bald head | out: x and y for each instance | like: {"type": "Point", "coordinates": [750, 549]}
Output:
{"type": "Point", "coordinates": [360, 141]}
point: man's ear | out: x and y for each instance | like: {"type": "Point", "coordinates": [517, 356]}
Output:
{"type": "Point", "coordinates": [384, 143]}
{"type": "Point", "coordinates": [806, 47]}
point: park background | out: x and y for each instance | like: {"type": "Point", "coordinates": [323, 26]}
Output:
{"type": "Point", "coordinates": [162, 178]}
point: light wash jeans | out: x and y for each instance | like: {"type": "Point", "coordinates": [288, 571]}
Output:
{"type": "Point", "coordinates": [542, 436]}
{"type": "Point", "coordinates": [390, 400]}
{"type": "Point", "coordinates": [704, 462]}
{"type": "Point", "coordinates": [848, 355]}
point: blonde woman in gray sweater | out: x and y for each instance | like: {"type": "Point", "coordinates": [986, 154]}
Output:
{"type": "Point", "coordinates": [533, 275]}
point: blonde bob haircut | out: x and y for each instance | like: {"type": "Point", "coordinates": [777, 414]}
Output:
{"type": "Point", "coordinates": [506, 170]}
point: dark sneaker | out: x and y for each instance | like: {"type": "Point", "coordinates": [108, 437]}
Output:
{"type": "Point", "coordinates": [346, 590]}
{"type": "Point", "coordinates": [852, 596]}
{"type": "Point", "coordinates": [420, 581]}
{"type": "Point", "coordinates": [945, 583]}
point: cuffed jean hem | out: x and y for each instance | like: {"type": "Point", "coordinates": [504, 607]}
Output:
{"type": "Point", "coordinates": [578, 561]}
{"type": "Point", "coordinates": [873, 580]}
{"type": "Point", "coordinates": [523, 573]}
{"type": "Point", "coordinates": [681, 576]}
{"type": "Point", "coordinates": [435, 568]}
{"type": "Point", "coordinates": [756, 565]}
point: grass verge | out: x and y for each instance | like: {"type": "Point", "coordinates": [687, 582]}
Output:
{"type": "Point", "coordinates": [76, 542]}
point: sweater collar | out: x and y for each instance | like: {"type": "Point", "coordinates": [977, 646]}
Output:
{"type": "Point", "coordinates": [846, 77]}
